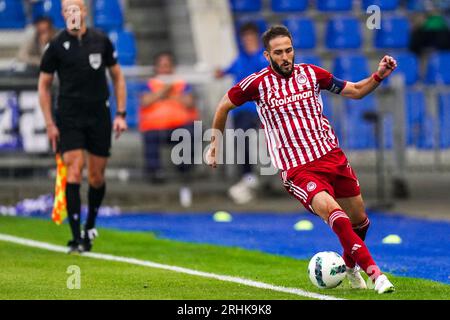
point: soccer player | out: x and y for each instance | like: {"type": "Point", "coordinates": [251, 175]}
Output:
{"type": "Point", "coordinates": [303, 145]}
{"type": "Point", "coordinates": [80, 56]}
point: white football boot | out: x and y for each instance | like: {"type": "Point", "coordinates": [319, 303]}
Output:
{"type": "Point", "coordinates": [355, 278]}
{"type": "Point", "coordinates": [383, 285]}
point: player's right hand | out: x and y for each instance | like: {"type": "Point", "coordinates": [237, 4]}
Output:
{"type": "Point", "coordinates": [211, 159]}
{"type": "Point", "coordinates": [53, 135]}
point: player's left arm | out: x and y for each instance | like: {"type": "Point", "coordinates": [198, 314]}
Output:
{"type": "Point", "coordinates": [360, 89]}
{"type": "Point", "coordinates": [118, 79]}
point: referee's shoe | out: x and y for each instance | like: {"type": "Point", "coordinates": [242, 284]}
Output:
{"type": "Point", "coordinates": [88, 237]}
{"type": "Point", "coordinates": [75, 247]}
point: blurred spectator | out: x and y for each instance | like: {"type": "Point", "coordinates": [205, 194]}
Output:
{"type": "Point", "coordinates": [249, 60]}
{"type": "Point", "coordinates": [168, 105]}
{"type": "Point", "coordinates": [33, 48]}
{"type": "Point", "coordinates": [432, 32]}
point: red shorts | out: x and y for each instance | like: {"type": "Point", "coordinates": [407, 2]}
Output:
{"type": "Point", "coordinates": [331, 173]}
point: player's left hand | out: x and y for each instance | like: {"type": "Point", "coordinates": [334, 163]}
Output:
{"type": "Point", "coordinates": [119, 126]}
{"type": "Point", "coordinates": [386, 66]}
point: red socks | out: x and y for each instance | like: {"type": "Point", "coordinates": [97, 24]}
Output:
{"type": "Point", "coordinates": [354, 248]}
{"type": "Point", "coordinates": [361, 231]}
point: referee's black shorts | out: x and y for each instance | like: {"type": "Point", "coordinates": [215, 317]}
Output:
{"type": "Point", "coordinates": [84, 125]}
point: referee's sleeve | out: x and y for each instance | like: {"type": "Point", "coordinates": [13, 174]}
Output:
{"type": "Point", "coordinates": [49, 61]}
{"type": "Point", "coordinates": [110, 53]}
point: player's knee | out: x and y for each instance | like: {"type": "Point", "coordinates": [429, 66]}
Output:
{"type": "Point", "coordinates": [324, 204]}
{"type": "Point", "coordinates": [96, 179]}
{"type": "Point", "coordinates": [74, 175]}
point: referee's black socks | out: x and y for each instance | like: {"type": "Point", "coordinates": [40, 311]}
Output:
{"type": "Point", "coordinates": [74, 209]}
{"type": "Point", "coordinates": [95, 198]}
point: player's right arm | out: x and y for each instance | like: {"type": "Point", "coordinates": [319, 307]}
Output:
{"type": "Point", "coordinates": [45, 100]}
{"type": "Point", "coordinates": [220, 119]}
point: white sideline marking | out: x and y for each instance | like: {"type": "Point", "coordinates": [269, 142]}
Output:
{"type": "Point", "coordinates": [108, 257]}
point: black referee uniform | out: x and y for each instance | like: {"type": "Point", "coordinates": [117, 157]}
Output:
{"type": "Point", "coordinates": [83, 115]}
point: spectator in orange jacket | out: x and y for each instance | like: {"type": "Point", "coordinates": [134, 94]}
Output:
{"type": "Point", "coordinates": [168, 105]}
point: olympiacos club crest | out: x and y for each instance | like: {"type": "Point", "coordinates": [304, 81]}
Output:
{"type": "Point", "coordinates": [301, 79]}
{"type": "Point", "coordinates": [311, 186]}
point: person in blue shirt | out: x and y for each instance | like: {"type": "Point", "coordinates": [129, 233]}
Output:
{"type": "Point", "coordinates": [250, 59]}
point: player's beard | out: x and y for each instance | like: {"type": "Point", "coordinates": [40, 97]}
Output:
{"type": "Point", "coordinates": [279, 70]}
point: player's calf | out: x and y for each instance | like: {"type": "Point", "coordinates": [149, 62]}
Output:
{"type": "Point", "coordinates": [361, 228]}
{"type": "Point", "coordinates": [352, 243]}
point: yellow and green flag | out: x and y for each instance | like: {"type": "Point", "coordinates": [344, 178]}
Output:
{"type": "Point", "coordinates": [59, 213]}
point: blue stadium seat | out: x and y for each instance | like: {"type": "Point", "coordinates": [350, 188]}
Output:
{"type": "Point", "coordinates": [333, 117]}
{"type": "Point", "coordinates": [383, 4]}
{"type": "Point", "coordinates": [259, 21]}
{"type": "Point", "coordinates": [125, 44]}
{"type": "Point", "coordinates": [416, 5]}
{"type": "Point", "coordinates": [394, 33]}
{"type": "Point", "coordinates": [51, 9]}
{"type": "Point", "coordinates": [408, 66]}
{"type": "Point", "coordinates": [388, 126]}
{"type": "Point", "coordinates": [327, 107]}
{"type": "Point", "coordinates": [245, 5]}
{"type": "Point", "coordinates": [419, 128]}
{"type": "Point", "coordinates": [289, 5]}
{"type": "Point", "coordinates": [351, 67]}
{"type": "Point", "coordinates": [334, 5]}
{"type": "Point", "coordinates": [12, 14]}
{"type": "Point", "coordinates": [358, 133]}
{"type": "Point", "coordinates": [444, 117]}
{"type": "Point", "coordinates": [303, 32]}
{"type": "Point", "coordinates": [343, 33]}
{"type": "Point", "coordinates": [361, 135]}
{"type": "Point", "coordinates": [108, 15]}
{"type": "Point", "coordinates": [134, 90]}
{"type": "Point", "coordinates": [306, 58]}
{"type": "Point", "coordinates": [438, 68]}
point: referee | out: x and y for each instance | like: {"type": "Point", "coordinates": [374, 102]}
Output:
{"type": "Point", "coordinates": [80, 57]}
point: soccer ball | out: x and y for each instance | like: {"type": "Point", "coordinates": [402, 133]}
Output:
{"type": "Point", "coordinates": [326, 269]}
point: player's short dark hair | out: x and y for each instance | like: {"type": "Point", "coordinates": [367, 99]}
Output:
{"type": "Point", "coordinates": [275, 32]}
{"type": "Point", "coordinates": [249, 27]}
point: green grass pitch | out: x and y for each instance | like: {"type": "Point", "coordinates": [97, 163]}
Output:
{"type": "Point", "coordinates": [32, 273]}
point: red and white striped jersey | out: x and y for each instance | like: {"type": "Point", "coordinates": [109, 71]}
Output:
{"type": "Point", "coordinates": [290, 110]}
